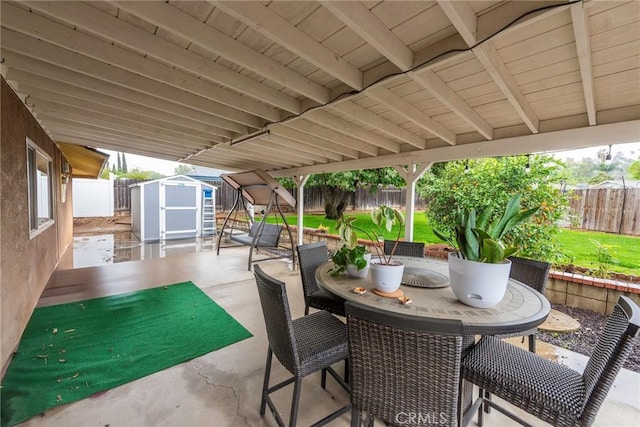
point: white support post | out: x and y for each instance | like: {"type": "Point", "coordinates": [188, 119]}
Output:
{"type": "Point", "coordinates": [300, 181]}
{"type": "Point", "coordinates": [411, 175]}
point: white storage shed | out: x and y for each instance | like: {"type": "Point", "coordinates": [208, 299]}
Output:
{"type": "Point", "coordinates": [177, 207]}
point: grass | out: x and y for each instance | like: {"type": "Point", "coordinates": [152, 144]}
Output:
{"type": "Point", "coordinates": [577, 246]}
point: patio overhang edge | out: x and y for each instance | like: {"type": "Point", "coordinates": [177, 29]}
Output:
{"type": "Point", "coordinates": [614, 133]}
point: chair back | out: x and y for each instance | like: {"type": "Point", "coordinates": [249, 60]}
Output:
{"type": "Point", "coordinates": [415, 249]}
{"type": "Point", "coordinates": [400, 365]}
{"type": "Point", "coordinates": [612, 349]}
{"type": "Point", "coordinates": [277, 319]}
{"type": "Point", "coordinates": [530, 272]}
{"type": "Point", "coordinates": [310, 257]}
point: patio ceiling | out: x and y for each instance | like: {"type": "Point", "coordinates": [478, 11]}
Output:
{"type": "Point", "coordinates": [306, 87]}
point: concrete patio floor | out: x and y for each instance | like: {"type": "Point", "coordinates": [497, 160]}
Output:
{"type": "Point", "coordinates": [222, 388]}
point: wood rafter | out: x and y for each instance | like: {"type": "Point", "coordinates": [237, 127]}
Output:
{"type": "Point", "coordinates": [262, 19]}
{"type": "Point", "coordinates": [44, 29]}
{"type": "Point", "coordinates": [360, 20]}
{"type": "Point", "coordinates": [55, 72]}
{"type": "Point", "coordinates": [166, 16]}
{"type": "Point", "coordinates": [409, 112]}
{"type": "Point", "coordinates": [582, 35]}
{"type": "Point", "coordinates": [352, 109]}
{"type": "Point", "coordinates": [31, 47]}
{"type": "Point", "coordinates": [430, 81]}
{"type": "Point", "coordinates": [112, 28]}
{"type": "Point", "coordinates": [351, 130]}
{"type": "Point", "coordinates": [465, 21]}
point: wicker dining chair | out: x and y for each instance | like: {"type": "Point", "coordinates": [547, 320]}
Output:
{"type": "Point", "coordinates": [402, 368]}
{"type": "Point", "coordinates": [303, 346]}
{"type": "Point", "coordinates": [310, 257]}
{"type": "Point", "coordinates": [415, 249]}
{"type": "Point", "coordinates": [553, 392]}
{"type": "Point", "coordinates": [533, 274]}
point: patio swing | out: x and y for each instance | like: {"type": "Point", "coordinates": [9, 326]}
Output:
{"type": "Point", "coordinates": [257, 188]}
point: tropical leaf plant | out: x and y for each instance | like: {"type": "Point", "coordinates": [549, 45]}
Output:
{"type": "Point", "coordinates": [477, 239]}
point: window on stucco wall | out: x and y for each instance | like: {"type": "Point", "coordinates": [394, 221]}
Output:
{"type": "Point", "coordinates": [40, 179]}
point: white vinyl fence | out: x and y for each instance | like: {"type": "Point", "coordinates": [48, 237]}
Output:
{"type": "Point", "coordinates": [92, 197]}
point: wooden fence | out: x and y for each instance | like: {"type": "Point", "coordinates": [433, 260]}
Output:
{"type": "Point", "coordinates": [122, 193]}
{"type": "Point", "coordinates": [612, 210]}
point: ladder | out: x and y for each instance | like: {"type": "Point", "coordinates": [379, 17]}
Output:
{"type": "Point", "coordinates": [208, 213]}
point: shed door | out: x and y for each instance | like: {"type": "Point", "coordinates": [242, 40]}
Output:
{"type": "Point", "coordinates": [179, 207]}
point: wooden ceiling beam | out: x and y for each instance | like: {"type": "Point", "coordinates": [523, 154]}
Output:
{"type": "Point", "coordinates": [263, 20]}
{"type": "Point", "coordinates": [28, 46]}
{"type": "Point", "coordinates": [431, 82]}
{"type": "Point", "coordinates": [465, 21]}
{"type": "Point", "coordinates": [89, 106]}
{"type": "Point", "coordinates": [352, 130]}
{"type": "Point", "coordinates": [590, 136]}
{"type": "Point", "coordinates": [37, 26]}
{"type": "Point", "coordinates": [297, 148]}
{"type": "Point", "coordinates": [125, 139]}
{"type": "Point", "coordinates": [105, 25]}
{"type": "Point", "coordinates": [119, 145]}
{"type": "Point", "coordinates": [327, 149]}
{"type": "Point", "coordinates": [360, 20]}
{"type": "Point", "coordinates": [331, 135]}
{"type": "Point", "coordinates": [41, 86]}
{"type": "Point", "coordinates": [363, 115]}
{"type": "Point", "coordinates": [106, 122]}
{"type": "Point", "coordinates": [582, 34]}
{"type": "Point", "coordinates": [170, 18]}
{"type": "Point", "coordinates": [54, 72]}
{"type": "Point", "coordinates": [290, 131]}
{"type": "Point", "coordinates": [411, 113]}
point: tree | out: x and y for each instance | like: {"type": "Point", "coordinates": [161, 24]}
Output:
{"type": "Point", "coordinates": [113, 168]}
{"type": "Point", "coordinates": [489, 183]}
{"type": "Point", "coordinates": [105, 172]}
{"type": "Point", "coordinates": [119, 169]}
{"type": "Point", "coordinates": [339, 187]}
{"type": "Point", "coordinates": [183, 169]}
{"type": "Point", "coordinates": [124, 163]}
{"type": "Point", "coordinates": [634, 169]}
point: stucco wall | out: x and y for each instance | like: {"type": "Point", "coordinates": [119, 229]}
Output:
{"type": "Point", "coordinates": [25, 264]}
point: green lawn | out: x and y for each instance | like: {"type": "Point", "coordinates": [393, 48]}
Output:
{"type": "Point", "coordinates": [577, 246]}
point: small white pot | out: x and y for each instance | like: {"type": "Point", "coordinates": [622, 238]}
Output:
{"type": "Point", "coordinates": [353, 271]}
{"type": "Point", "coordinates": [478, 284]}
{"type": "Point", "coordinates": [386, 277]}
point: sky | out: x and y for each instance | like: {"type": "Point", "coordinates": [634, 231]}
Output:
{"type": "Point", "coordinates": [166, 167]}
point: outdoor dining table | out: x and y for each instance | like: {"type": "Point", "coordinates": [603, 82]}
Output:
{"type": "Point", "coordinates": [521, 309]}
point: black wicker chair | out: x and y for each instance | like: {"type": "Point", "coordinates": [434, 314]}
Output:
{"type": "Point", "coordinates": [305, 345]}
{"type": "Point", "coordinates": [533, 274]}
{"type": "Point", "coordinates": [415, 249]}
{"type": "Point", "coordinates": [552, 392]}
{"type": "Point", "coordinates": [402, 370]}
{"type": "Point", "coordinates": [310, 257]}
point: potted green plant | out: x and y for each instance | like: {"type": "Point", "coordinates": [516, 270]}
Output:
{"type": "Point", "coordinates": [479, 268]}
{"type": "Point", "coordinates": [386, 273]}
{"type": "Point", "coordinates": [351, 257]}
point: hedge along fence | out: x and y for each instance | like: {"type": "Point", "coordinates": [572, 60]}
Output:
{"type": "Point", "coordinates": [612, 210]}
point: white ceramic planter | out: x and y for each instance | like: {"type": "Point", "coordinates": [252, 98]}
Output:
{"type": "Point", "coordinates": [387, 278]}
{"type": "Point", "coordinates": [353, 271]}
{"type": "Point", "coordinates": [478, 284]}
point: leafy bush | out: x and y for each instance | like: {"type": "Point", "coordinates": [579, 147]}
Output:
{"type": "Point", "coordinates": [488, 184]}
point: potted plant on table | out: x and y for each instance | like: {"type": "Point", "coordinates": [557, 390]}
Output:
{"type": "Point", "coordinates": [351, 257]}
{"type": "Point", "coordinates": [479, 268]}
{"type": "Point", "coordinates": [386, 273]}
